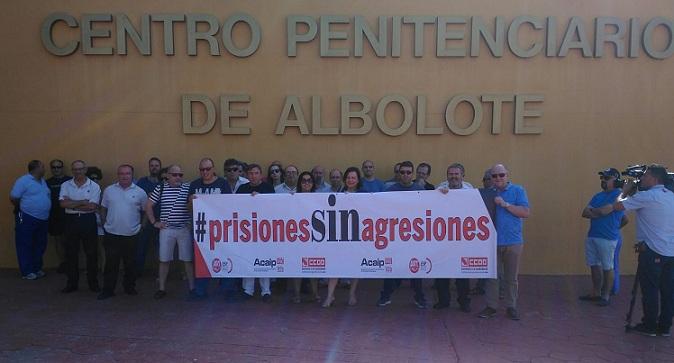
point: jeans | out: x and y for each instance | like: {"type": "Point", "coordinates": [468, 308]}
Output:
{"type": "Point", "coordinates": [509, 257]}
{"type": "Point", "coordinates": [656, 277]}
{"type": "Point", "coordinates": [31, 242]}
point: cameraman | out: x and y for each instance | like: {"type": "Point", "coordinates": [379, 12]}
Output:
{"type": "Point", "coordinates": [602, 238]}
{"type": "Point", "coordinates": [654, 207]}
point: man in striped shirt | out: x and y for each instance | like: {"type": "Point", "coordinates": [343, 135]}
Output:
{"type": "Point", "coordinates": [174, 226]}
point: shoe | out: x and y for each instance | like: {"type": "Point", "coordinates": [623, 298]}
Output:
{"type": "Point", "coordinates": [589, 297]}
{"type": "Point", "coordinates": [266, 298]}
{"type": "Point", "coordinates": [487, 313]}
{"type": "Point", "coordinates": [40, 274]}
{"type": "Point", "coordinates": [69, 289]}
{"type": "Point", "coordinates": [328, 302]}
{"type": "Point", "coordinates": [421, 304]}
{"type": "Point", "coordinates": [383, 301]}
{"type": "Point", "coordinates": [104, 295]}
{"type": "Point", "coordinates": [643, 330]}
{"type": "Point", "coordinates": [160, 294]}
{"type": "Point", "coordinates": [30, 276]}
{"type": "Point", "coordinates": [465, 308]}
{"type": "Point", "coordinates": [512, 314]}
{"type": "Point", "coordinates": [603, 302]}
{"type": "Point", "coordinates": [664, 332]}
{"type": "Point", "coordinates": [131, 291]}
{"type": "Point", "coordinates": [439, 306]}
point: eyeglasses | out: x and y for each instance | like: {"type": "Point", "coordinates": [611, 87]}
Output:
{"type": "Point", "coordinates": [499, 175]}
{"type": "Point", "coordinates": [176, 175]}
{"type": "Point", "coordinates": [231, 170]}
{"type": "Point", "coordinates": [205, 169]}
{"type": "Point", "coordinates": [405, 172]}
{"type": "Point", "coordinates": [306, 181]}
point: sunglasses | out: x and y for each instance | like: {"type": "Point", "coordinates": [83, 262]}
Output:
{"type": "Point", "coordinates": [176, 175]}
{"type": "Point", "coordinates": [231, 170]}
{"type": "Point", "coordinates": [57, 167]}
{"type": "Point", "coordinates": [499, 175]}
{"type": "Point", "coordinates": [275, 171]}
{"type": "Point", "coordinates": [205, 169]}
{"type": "Point", "coordinates": [405, 172]}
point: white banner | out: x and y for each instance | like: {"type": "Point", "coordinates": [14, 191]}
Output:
{"type": "Point", "coordinates": [424, 234]}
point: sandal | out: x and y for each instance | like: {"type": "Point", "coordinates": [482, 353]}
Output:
{"type": "Point", "coordinates": [328, 302]}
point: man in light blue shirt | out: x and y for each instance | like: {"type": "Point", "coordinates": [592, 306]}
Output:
{"type": "Point", "coordinates": [512, 205]}
{"type": "Point", "coordinates": [31, 198]}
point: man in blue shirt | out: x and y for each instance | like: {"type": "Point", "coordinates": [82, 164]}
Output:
{"type": "Point", "coordinates": [31, 198]}
{"type": "Point", "coordinates": [369, 182]}
{"type": "Point", "coordinates": [602, 238]}
{"type": "Point", "coordinates": [512, 205]}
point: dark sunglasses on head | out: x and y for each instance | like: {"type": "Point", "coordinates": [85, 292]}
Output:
{"type": "Point", "coordinates": [499, 175]}
{"type": "Point", "coordinates": [232, 169]}
{"type": "Point", "coordinates": [205, 169]}
{"type": "Point", "coordinates": [405, 172]}
{"type": "Point", "coordinates": [175, 175]}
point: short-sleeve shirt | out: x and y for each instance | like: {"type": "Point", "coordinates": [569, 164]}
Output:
{"type": "Point", "coordinates": [608, 226]}
{"type": "Point", "coordinates": [398, 187]}
{"type": "Point", "coordinates": [148, 186]}
{"type": "Point", "coordinates": [283, 188]}
{"type": "Point", "coordinates": [124, 206]}
{"type": "Point", "coordinates": [88, 191]}
{"type": "Point", "coordinates": [374, 186]}
{"type": "Point", "coordinates": [262, 188]}
{"type": "Point", "coordinates": [55, 188]}
{"type": "Point", "coordinates": [509, 226]}
{"type": "Point", "coordinates": [173, 202]}
{"type": "Point", "coordinates": [218, 186]}
{"type": "Point", "coordinates": [33, 195]}
{"type": "Point", "coordinates": [654, 215]}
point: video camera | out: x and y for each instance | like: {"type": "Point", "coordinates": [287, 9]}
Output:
{"type": "Point", "coordinates": [637, 171]}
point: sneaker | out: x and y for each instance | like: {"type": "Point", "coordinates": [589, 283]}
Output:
{"type": "Point", "coordinates": [104, 295]}
{"type": "Point", "coordinates": [421, 304]}
{"type": "Point", "coordinates": [69, 289]}
{"type": "Point", "coordinates": [465, 308]}
{"type": "Point", "coordinates": [160, 294]}
{"type": "Point", "coordinates": [266, 298]}
{"type": "Point", "coordinates": [30, 276]}
{"type": "Point", "coordinates": [439, 306]}
{"type": "Point", "coordinates": [383, 301]}
{"type": "Point", "coordinates": [487, 313]}
{"type": "Point", "coordinates": [603, 302]}
{"type": "Point", "coordinates": [664, 332]}
{"type": "Point", "coordinates": [40, 274]}
{"type": "Point", "coordinates": [513, 314]}
{"type": "Point", "coordinates": [643, 330]}
{"type": "Point", "coordinates": [589, 298]}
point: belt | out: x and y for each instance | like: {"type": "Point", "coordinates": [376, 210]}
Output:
{"type": "Point", "coordinates": [79, 214]}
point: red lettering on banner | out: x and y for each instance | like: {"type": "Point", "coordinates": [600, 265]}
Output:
{"type": "Point", "coordinates": [245, 231]}
{"type": "Point", "coordinates": [405, 228]}
{"type": "Point", "coordinates": [304, 231]}
{"type": "Point", "coordinates": [394, 223]}
{"type": "Point", "coordinates": [254, 215]}
{"type": "Point", "coordinates": [265, 231]}
{"type": "Point", "coordinates": [279, 230]}
{"type": "Point", "coordinates": [215, 233]}
{"type": "Point", "coordinates": [454, 228]}
{"type": "Point", "coordinates": [380, 226]}
{"type": "Point", "coordinates": [291, 230]}
{"type": "Point", "coordinates": [428, 225]}
{"type": "Point", "coordinates": [469, 228]}
{"type": "Point", "coordinates": [418, 231]}
{"type": "Point", "coordinates": [439, 229]}
{"type": "Point", "coordinates": [225, 230]}
{"type": "Point", "coordinates": [368, 230]}
{"type": "Point", "coordinates": [482, 226]}
{"type": "Point", "coordinates": [474, 261]}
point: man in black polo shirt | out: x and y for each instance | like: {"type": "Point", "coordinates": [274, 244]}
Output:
{"type": "Point", "coordinates": [57, 215]}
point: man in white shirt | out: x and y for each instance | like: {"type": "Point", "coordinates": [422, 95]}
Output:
{"type": "Point", "coordinates": [80, 197]}
{"type": "Point", "coordinates": [289, 185]}
{"type": "Point", "coordinates": [121, 216]}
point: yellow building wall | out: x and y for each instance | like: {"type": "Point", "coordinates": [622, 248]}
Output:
{"type": "Point", "coordinates": [107, 110]}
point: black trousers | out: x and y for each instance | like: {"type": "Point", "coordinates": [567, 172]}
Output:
{"type": "Point", "coordinates": [119, 248]}
{"type": "Point", "coordinates": [462, 289]}
{"type": "Point", "coordinates": [81, 229]}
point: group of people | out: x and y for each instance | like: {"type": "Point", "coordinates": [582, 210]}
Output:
{"type": "Point", "coordinates": [157, 208]}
